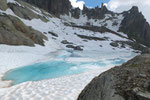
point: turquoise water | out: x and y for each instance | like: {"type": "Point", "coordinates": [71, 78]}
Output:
{"type": "Point", "coordinates": [52, 69]}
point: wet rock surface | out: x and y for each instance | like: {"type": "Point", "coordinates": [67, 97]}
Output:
{"type": "Point", "coordinates": [130, 81]}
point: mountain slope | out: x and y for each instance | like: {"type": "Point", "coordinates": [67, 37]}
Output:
{"type": "Point", "coordinates": [128, 24]}
{"type": "Point", "coordinates": [88, 30]}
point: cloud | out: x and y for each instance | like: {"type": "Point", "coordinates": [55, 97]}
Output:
{"type": "Point", "coordinates": [76, 4]}
{"type": "Point", "coordinates": [106, 4]}
{"type": "Point", "coordinates": [121, 5]}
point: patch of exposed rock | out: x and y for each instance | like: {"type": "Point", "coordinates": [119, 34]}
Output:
{"type": "Point", "coordinates": [133, 44]}
{"type": "Point", "coordinates": [14, 32]}
{"type": "Point", "coordinates": [101, 29]}
{"type": "Point", "coordinates": [92, 37]}
{"type": "Point", "coordinates": [66, 42]}
{"type": "Point", "coordinates": [130, 81]}
{"type": "Point", "coordinates": [53, 34]}
{"type": "Point", "coordinates": [78, 48]}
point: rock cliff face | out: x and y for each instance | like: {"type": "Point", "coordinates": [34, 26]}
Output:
{"type": "Point", "coordinates": [56, 7]}
{"type": "Point", "coordinates": [127, 82]}
{"type": "Point", "coordinates": [61, 7]}
{"type": "Point", "coordinates": [135, 26]}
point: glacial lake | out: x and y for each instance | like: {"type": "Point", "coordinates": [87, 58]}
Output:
{"type": "Point", "coordinates": [54, 69]}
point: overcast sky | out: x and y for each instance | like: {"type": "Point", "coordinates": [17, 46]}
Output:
{"type": "Point", "coordinates": [117, 5]}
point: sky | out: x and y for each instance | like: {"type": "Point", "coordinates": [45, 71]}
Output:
{"type": "Point", "coordinates": [117, 5]}
{"type": "Point", "coordinates": [93, 3]}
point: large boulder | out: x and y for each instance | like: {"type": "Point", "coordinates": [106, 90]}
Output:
{"type": "Point", "coordinates": [135, 26]}
{"type": "Point", "coordinates": [14, 32]}
{"type": "Point", "coordinates": [131, 81]}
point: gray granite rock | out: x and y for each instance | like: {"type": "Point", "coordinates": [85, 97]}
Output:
{"type": "Point", "coordinates": [14, 32]}
{"type": "Point", "coordinates": [3, 5]}
{"type": "Point", "coordinates": [130, 81]}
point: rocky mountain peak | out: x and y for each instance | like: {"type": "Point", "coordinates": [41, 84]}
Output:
{"type": "Point", "coordinates": [103, 8]}
{"type": "Point", "coordinates": [135, 26]}
{"type": "Point", "coordinates": [134, 9]}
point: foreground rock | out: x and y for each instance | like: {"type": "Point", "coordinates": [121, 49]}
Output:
{"type": "Point", "coordinates": [131, 81]}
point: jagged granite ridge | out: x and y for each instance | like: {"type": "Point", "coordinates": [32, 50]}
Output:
{"type": "Point", "coordinates": [135, 26]}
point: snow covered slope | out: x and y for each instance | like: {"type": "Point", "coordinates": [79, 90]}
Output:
{"type": "Point", "coordinates": [67, 33]}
